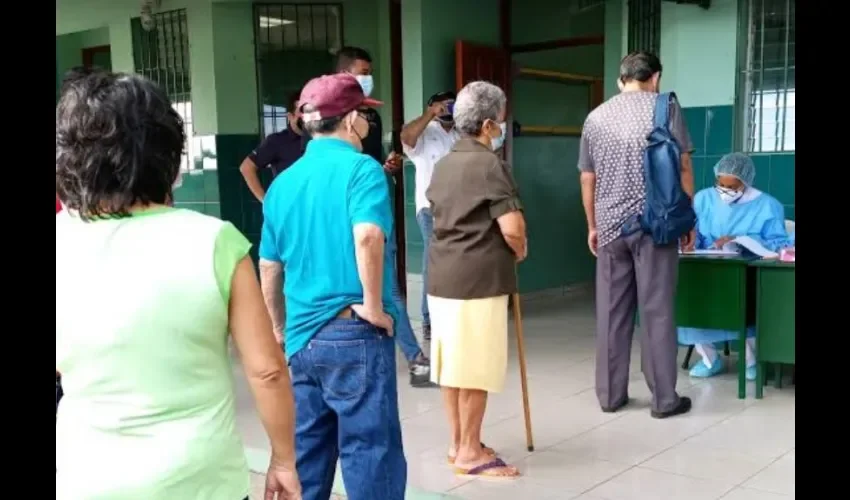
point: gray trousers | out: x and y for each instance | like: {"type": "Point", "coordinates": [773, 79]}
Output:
{"type": "Point", "coordinates": [630, 272]}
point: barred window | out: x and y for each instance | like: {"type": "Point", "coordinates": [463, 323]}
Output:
{"type": "Point", "coordinates": [294, 43]}
{"type": "Point", "coordinates": [645, 25]}
{"type": "Point", "coordinates": [767, 90]}
{"type": "Point", "coordinates": [161, 53]}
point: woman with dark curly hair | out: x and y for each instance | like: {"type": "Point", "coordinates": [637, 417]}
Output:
{"type": "Point", "coordinates": [145, 297]}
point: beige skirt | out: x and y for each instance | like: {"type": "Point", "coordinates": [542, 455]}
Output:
{"type": "Point", "coordinates": [469, 342]}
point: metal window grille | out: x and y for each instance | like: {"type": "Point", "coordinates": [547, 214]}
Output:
{"type": "Point", "coordinates": [294, 43]}
{"type": "Point", "coordinates": [768, 76]}
{"type": "Point", "coordinates": [586, 5]}
{"type": "Point", "coordinates": [162, 54]}
{"type": "Point", "coordinates": [645, 25]}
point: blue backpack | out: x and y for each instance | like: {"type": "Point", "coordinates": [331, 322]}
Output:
{"type": "Point", "coordinates": [668, 213]}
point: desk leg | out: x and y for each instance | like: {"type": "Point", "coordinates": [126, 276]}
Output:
{"type": "Point", "coordinates": [759, 380]}
{"type": "Point", "coordinates": [777, 375]}
{"type": "Point", "coordinates": [742, 364]}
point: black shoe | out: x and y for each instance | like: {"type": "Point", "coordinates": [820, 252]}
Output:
{"type": "Point", "coordinates": [612, 409]}
{"type": "Point", "coordinates": [420, 373]}
{"type": "Point", "coordinates": [684, 406]}
{"type": "Point", "coordinates": [426, 332]}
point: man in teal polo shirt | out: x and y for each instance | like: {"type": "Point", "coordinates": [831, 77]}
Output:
{"type": "Point", "coordinates": [327, 218]}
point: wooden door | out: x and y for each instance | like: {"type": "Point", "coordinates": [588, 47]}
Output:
{"type": "Point", "coordinates": [492, 64]}
{"type": "Point", "coordinates": [99, 57]}
{"type": "Point", "coordinates": [482, 62]}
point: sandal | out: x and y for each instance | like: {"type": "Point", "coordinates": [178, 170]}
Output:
{"type": "Point", "coordinates": [487, 451]}
{"type": "Point", "coordinates": [493, 470]}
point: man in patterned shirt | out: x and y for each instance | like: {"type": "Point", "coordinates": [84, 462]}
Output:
{"type": "Point", "coordinates": [630, 269]}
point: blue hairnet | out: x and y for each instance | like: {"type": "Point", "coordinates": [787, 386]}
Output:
{"type": "Point", "coordinates": [737, 165]}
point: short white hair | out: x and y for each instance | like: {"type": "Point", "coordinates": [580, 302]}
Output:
{"type": "Point", "coordinates": [476, 102]}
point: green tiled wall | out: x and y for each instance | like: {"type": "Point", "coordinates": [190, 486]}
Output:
{"type": "Point", "coordinates": [238, 205]}
{"type": "Point", "coordinates": [545, 171]}
{"type": "Point", "coordinates": [200, 188]}
{"type": "Point", "coordinates": [219, 190]}
{"type": "Point", "coordinates": [712, 133]}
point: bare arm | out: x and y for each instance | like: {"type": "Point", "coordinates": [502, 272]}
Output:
{"type": "Point", "coordinates": [688, 174]}
{"type": "Point", "coordinates": [271, 282]}
{"type": "Point", "coordinates": [263, 362]}
{"type": "Point", "coordinates": [512, 225]}
{"type": "Point", "coordinates": [249, 171]}
{"type": "Point", "coordinates": [679, 130]}
{"type": "Point", "coordinates": [588, 187]}
{"type": "Point", "coordinates": [410, 132]}
{"type": "Point", "coordinates": [369, 252]}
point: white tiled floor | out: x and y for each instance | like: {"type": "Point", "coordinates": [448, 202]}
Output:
{"type": "Point", "coordinates": [725, 448]}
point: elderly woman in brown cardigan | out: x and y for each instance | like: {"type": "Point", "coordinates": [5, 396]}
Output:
{"type": "Point", "coordinates": [479, 235]}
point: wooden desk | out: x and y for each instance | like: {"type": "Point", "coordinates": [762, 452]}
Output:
{"type": "Point", "coordinates": [715, 292]}
{"type": "Point", "coordinates": [776, 332]}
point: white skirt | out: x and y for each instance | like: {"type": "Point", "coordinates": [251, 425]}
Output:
{"type": "Point", "coordinates": [469, 342]}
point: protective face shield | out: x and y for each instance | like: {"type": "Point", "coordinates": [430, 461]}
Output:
{"type": "Point", "coordinates": [728, 196]}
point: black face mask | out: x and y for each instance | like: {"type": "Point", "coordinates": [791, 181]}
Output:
{"type": "Point", "coordinates": [446, 119]}
{"type": "Point", "coordinates": [363, 137]}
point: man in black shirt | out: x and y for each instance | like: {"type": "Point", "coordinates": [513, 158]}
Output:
{"type": "Point", "coordinates": [358, 62]}
{"type": "Point", "coordinates": [277, 152]}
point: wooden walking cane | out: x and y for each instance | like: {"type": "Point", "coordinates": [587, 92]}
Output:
{"type": "Point", "coordinates": [520, 343]}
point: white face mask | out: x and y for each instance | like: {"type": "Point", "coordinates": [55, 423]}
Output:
{"type": "Point", "coordinates": [729, 197]}
{"type": "Point", "coordinates": [367, 83]}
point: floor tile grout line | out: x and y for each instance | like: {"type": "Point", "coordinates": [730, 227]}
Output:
{"type": "Point", "coordinates": [548, 448]}
{"type": "Point", "coordinates": [741, 484]}
{"type": "Point", "coordinates": [633, 466]}
{"type": "Point", "coordinates": [737, 485]}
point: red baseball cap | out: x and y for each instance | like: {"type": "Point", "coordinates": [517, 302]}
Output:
{"type": "Point", "coordinates": [332, 96]}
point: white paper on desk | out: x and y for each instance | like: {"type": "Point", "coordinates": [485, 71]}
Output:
{"type": "Point", "coordinates": [710, 251]}
{"type": "Point", "coordinates": [751, 245]}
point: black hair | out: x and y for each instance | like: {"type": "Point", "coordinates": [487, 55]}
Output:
{"type": "Point", "coordinates": [442, 96]}
{"type": "Point", "coordinates": [640, 66]}
{"type": "Point", "coordinates": [323, 126]}
{"type": "Point", "coordinates": [74, 74]}
{"type": "Point", "coordinates": [290, 103]}
{"type": "Point", "coordinates": [118, 144]}
{"type": "Point", "coordinates": [348, 55]}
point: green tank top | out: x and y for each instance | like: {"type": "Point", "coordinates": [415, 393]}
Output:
{"type": "Point", "coordinates": [142, 345]}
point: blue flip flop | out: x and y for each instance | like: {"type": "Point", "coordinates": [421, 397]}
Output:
{"type": "Point", "coordinates": [489, 471]}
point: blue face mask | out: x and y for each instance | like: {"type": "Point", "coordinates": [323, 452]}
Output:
{"type": "Point", "coordinates": [367, 83]}
{"type": "Point", "coordinates": [498, 142]}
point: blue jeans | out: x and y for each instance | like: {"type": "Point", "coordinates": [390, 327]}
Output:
{"type": "Point", "coordinates": [426, 226]}
{"type": "Point", "coordinates": [346, 407]}
{"type": "Point", "coordinates": [403, 331]}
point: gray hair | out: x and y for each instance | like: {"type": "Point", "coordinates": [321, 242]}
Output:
{"type": "Point", "coordinates": [476, 102]}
